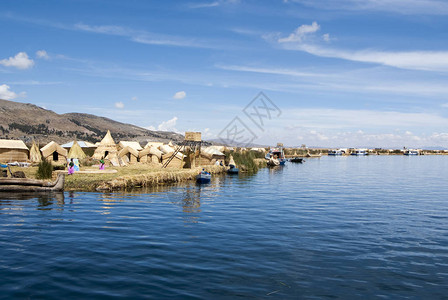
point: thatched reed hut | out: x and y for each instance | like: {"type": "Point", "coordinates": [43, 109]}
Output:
{"type": "Point", "coordinates": [107, 149]}
{"type": "Point", "coordinates": [176, 162]}
{"type": "Point", "coordinates": [54, 153]}
{"type": "Point", "coordinates": [150, 155]}
{"type": "Point", "coordinates": [13, 150]}
{"type": "Point", "coordinates": [209, 156]}
{"type": "Point", "coordinates": [133, 145]}
{"type": "Point", "coordinates": [153, 144]}
{"type": "Point", "coordinates": [35, 155]}
{"type": "Point", "coordinates": [166, 149]}
{"type": "Point", "coordinates": [83, 144]}
{"type": "Point", "coordinates": [127, 155]}
{"type": "Point", "coordinates": [76, 151]}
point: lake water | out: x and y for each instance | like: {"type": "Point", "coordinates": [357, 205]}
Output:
{"type": "Point", "coordinates": [334, 227]}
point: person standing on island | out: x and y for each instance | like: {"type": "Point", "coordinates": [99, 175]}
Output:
{"type": "Point", "coordinates": [102, 163]}
{"type": "Point", "coordinates": [71, 167]}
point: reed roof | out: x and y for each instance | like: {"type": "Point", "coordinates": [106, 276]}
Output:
{"type": "Point", "coordinates": [127, 150]}
{"type": "Point", "coordinates": [212, 151]}
{"type": "Point", "coordinates": [13, 144]}
{"type": "Point", "coordinates": [51, 147]}
{"type": "Point", "coordinates": [76, 151]}
{"type": "Point", "coordinates": [152, 151]}
{"type": "Point", "coordinates": [133, 145]}
{"type": "Point", "coordinates": [107, 140]}
{"type": "Point", "coordinates": [154, 144]}
{"type": "Point", "coordinates": [82, 144]}
{"type": "Point", "coordinates": [166, 149]}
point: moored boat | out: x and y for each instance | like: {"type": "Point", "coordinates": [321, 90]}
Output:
{"type": "Point", "coordinates": [203, 177]}
{"type": "Point", "coordinates": [233, 170]}
{"type": "Point", "coordinates": [359, 152]}
{"type": "Point", "coordinates": [411, 152]}
{"type": "Point", "coordinates": [336, 152]}
{"type": "Point", "coordinates": [296, 160]}
{"type": "Point", "coordinates": [32, 185]}
{"type": "Point", "coordinates": [232, 166]}
{"type": "Point", "coordinates": [276, 156]}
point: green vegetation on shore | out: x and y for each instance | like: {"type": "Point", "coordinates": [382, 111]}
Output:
{"type": "Point", "coordinates": [44, 170]}
{"type": "Point", "coordinates": [246, 161]}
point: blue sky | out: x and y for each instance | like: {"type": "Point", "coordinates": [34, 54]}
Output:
{"type": "Point", "coordinates": [343, 73]}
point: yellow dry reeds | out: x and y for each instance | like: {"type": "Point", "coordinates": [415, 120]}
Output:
{"type": "Point", "coordinates": [155, 178]}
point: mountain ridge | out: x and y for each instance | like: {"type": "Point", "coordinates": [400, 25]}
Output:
{"type": "Point", "coordinates": [30, 122]}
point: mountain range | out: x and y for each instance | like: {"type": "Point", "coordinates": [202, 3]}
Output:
{"type": "Point", "coordinates": [30, 122]}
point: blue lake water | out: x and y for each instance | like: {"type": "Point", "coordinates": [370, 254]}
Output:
{"type": "Point", "coordinates": [334, 227]}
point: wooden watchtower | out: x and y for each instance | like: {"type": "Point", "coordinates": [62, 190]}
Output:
{"type": "Point", "coordinates": [192, 142]}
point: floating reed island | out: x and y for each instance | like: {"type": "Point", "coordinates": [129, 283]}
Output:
{"type": "Point", "coordinates": [127, 163]}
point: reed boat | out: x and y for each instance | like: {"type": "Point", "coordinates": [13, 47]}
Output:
{"type": "Point", "coordinates": [275, 157]}
{"type": "Point", "coordinates": [32, 185]}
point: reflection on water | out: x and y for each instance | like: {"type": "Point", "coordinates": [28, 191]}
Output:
{"type": "Point", "coordinates": [276, 170]}
{"type": "Point", "coordinates": [45, 199]}
{"type": "Point", "coordinates": [295, 232]}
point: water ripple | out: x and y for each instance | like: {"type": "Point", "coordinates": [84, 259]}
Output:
{"type": "Point", "coordinates": [371, 227]}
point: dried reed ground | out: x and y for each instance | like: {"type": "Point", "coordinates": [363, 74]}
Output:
{"type": "Point", "coordinates": [138, 175]}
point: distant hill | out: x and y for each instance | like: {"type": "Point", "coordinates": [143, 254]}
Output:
{"type": "Point", "coordinates": [27, 122]}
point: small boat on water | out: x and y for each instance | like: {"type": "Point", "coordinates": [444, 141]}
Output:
{"type": "Point", "coordinates": [32, 185]}
{"type": "Point", "coordinates": [275, 157]}
{"type": "Point", "coordinates": [411, 152]}
{"type": "Point", "coordinates": [335, 152]}
{"type": "Point", "coordinates": [296, 160]}
{"type": "Point", "coordinates": [232, 166]}
{"type": "Point", "coordinates": [203, 177]}
{"type": "Point", "coordinates": [359, 152]}
{"type": "Point", "coordinates": [233, 170]}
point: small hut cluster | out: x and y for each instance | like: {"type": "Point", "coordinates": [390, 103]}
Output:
{"type": "Point", "coordinates": [123, 153]}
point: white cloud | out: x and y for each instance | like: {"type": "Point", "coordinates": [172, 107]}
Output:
{"type": "Point", "coordinates": [299, 35]}
{"type": "Point", "coordinates": [135, 98]}
{"type": "Point", "coordinates": [180, 95]}
{"type": "Point", "coordinates": [276, 71]}
{"type": "Point", "coordinates": [7, 94]}
{"type": "Point", "coordinates": [205, 4]}
{"type": "Point", "coordinates": [42, 54]}
{"type": "Point", "coordinates": [168, 125]}
{"type": "Point", "coordinates": [207, 134]}
{"type": "Point", "coordinates": [145, 37]}
{"type": "Point", "coordinates": [20, 61]}
{"type": "Point", "coordinates": [302, 40]}
{"type": "Point", "coordinates": [428, 7]}
{"type": "Point", "coordinates": [119, 105]}
{"type": "Point", "coordinates": [359, 128]}
{"type": "Point", "coordinates": [212, 4]}
{"type": "Point", "coordinates": [357, 119]}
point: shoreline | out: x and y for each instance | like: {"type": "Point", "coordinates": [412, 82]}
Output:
{"type": "Point", "coordinates": [90, 179]}
{"type": "Point", "coordinates": [122, 178]}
